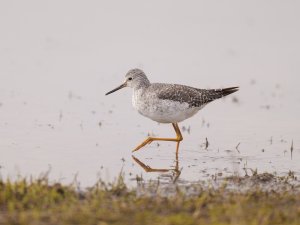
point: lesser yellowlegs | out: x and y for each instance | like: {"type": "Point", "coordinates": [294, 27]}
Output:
{"type": "Point", "coordinates": [167, 103]}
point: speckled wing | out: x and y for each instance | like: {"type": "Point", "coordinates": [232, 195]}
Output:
{"type": "Point", "coordinates": [193, 96]}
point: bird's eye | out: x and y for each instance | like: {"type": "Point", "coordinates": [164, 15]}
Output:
{"type": "Point", "coordinates": [130, 78]}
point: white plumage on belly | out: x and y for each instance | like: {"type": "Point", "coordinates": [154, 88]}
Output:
{"type": "Point", "coordinates": [162, 110]}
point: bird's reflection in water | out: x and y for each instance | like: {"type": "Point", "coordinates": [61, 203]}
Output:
{"type": "Point", "coordinates": [175, 172]}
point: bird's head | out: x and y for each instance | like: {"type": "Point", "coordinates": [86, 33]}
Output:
{"type": "Point", "coordinates": [134, 78]}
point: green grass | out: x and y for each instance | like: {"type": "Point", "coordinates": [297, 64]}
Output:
{"type": "Point", "coordinates": [38, 202]}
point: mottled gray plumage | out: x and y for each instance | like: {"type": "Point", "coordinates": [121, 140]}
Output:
{"type": "Point", "coordinates": [184, 94]}
{"type": "Point", "coordinates": [168, 103]}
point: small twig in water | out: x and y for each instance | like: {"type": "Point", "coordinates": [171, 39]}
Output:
{"type": "Point", "coordinates": [292, 149]}
{"type": "Point", "coordinates": [237, 147]}
{"type": "Point", "coordinates": [206, 143]}
{"type": "Point", "coordinates": [60, 115]}
{"type": "Point", "coordinates": [271, 140]}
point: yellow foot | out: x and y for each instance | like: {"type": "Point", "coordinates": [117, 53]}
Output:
{"type": "Point", "coordinates": [147, 141]}
{"type": "Point", "coordinates": [150, 139]}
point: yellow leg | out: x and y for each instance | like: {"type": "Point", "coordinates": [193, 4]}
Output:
{"type": "Point", "coordinates": [179, 137]}
{"type": "Point", "coordinates": [150, 139]}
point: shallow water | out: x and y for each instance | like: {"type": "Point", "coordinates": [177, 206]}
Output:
{"type": "Point", "coordinates": [55, 71]}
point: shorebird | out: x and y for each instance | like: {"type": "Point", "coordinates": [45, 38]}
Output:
{"type": "Point", "coordinates": [167, 103]}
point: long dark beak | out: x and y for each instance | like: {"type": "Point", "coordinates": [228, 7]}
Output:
{"type": "Point", "coordinates": [118, 88]}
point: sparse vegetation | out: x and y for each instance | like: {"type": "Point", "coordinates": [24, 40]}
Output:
{"type": "Point", "coordinates": [39, 202]}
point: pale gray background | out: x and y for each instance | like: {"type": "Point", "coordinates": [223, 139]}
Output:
{"type": "Point", "coordinates": [58, 58]}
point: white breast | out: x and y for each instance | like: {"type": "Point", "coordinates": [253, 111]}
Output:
{"type": "Point", "coordinates": [136, 99]}
{"type": "Point", "coordinates": [162, 111]}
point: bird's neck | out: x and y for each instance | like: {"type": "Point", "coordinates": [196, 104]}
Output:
{"type": "Point", "coordinates": [142, 85]}
{"type": "Point", "coordinates": [137, 95]}
{"type": "Point", "coordinates": [138, 91]}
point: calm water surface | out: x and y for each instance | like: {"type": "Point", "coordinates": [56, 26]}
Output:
{"type": "Point", "coordinates": [55, 71]}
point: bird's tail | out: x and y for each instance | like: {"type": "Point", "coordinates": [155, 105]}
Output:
{"type": "Point", "coordinates": [228, 91]}
{"type": "Point", "coordinates": [213, 94]}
